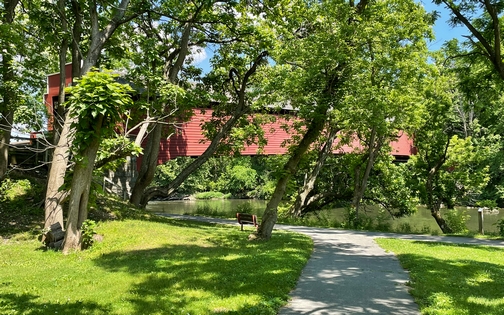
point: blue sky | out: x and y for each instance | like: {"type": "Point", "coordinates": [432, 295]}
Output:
{"type": "Point", "coordinates": [442, 29]}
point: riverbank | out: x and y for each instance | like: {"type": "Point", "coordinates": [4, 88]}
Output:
{"type": "Point", "coordinates": [419, 223]}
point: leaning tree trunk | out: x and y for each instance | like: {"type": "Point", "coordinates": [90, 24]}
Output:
{"type": "Point", "coordinates": [150, 158]}
{"type": "Point", "coordinates": [434, 204]}
{"type": "Point", "coordinates": [79, 194]}
{"type": "Point", "coordinates": [241, 109]}
{"type": "Point", "coordinates": [302, 200]}
{"type": "Point", "coordinates": [200, 160]}
{"type": "Point", "coordinates": [361, 183]}
{"type": "Point", "coordinates": [290, 168]}
{"type": "Point", "coordinates": [433, 200]}
{"type": "Point", "coordinates": [148, 167]}
{"type": "Point", "coordinates": [436, 214]}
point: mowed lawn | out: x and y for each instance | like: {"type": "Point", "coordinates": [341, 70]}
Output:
{"type": "Point", "coordinates": [159, 266]}
{"type": "Point", "coordinates": [451, 279]}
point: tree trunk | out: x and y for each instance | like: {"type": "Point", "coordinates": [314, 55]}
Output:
{"type": "Point", "coordinates": [54, 198]}
{"type": "Point", "coordinates": [76, 39]}
{"type": "Point", "coordinates": [59, 112]}
{"type": "Point", "coordinates": [53, 208]}
{"type": "Point", "coordinates": [302, 199]}
{"type": "Point", "coordinates": [79, 194]}
{"type": "Point", "coordinates": [436, 214]}
{"type": "Point", "coordinates": [312, 133]}
{"type": "Point", "coordinates": [8, 92]}
{"type": "Point", "coordinates": [6, 120]}
{"type": "Point", "coordinates": [433, 201]}
{"type": "Point", "coordinates": [149, 161]}
{"type": "Point", "coordinates": [361, 183]}
{"type": "Point", "coordinates": [242, 108]}
{"type": "Point", "coordinates": [189, 169]}
{"type": "Point", "coordinates": [148, 167]}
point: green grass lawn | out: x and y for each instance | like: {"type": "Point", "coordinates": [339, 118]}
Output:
{"type": "Point", "coordinates": [452, 279]}
{"type": "Point", "coordinates": [159, 266]}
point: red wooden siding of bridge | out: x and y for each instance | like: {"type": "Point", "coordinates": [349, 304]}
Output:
{"type": "Point", "coordinates": [52, 92]}
{"type": "Point", "coordinates": [189, 139]}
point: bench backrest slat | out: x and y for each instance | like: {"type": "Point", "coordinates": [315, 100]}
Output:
{"type": "Point", "coordinates": [245, 218]}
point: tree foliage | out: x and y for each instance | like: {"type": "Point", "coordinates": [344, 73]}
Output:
{"type": "Point", "coordinates": [96, 96]}
{"type": "Point", "coordinates": [364, 81]}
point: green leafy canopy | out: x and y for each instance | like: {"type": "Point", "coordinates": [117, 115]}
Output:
{"type": "Point", "coordinates": [98, 102]}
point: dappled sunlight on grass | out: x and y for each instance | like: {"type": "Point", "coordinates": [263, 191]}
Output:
{"type": "Point", "coordinates": [452, 278]}
{"type": "Point", "coordinates": [155, 267]}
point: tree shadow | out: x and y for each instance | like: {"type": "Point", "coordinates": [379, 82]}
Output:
{"type": "Point", "coordinates": [192, 277]}
{"type": "Point", "coordinates": [479, 288]}
{"type": "Point", "coordinates": [20, 206]}
{"type": "Point", "coordinates": [27, 304]}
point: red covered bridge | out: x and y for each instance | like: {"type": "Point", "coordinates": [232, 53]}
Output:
{"type": "Point", "coordinates": [188, 141]}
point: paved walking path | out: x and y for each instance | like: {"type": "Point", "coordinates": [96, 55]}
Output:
{"type": "Point", "coordinates": [348, 273]}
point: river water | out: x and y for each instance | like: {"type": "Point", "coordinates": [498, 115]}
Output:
{"type": "Point", "coordinates": [420, 221]}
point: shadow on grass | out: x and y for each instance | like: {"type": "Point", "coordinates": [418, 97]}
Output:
{"type": "Point", "coordinates": [20, 206]}
{"type": "Point", "coordinates": [227, 275]}
{"type": "Point", "coordinates": [462, 283]}
{"type": "Point", "coordinates": [27, 304]}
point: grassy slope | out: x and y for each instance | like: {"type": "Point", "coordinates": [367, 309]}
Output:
{"type": "Point", "coordinates": [452, 279]}
{"type": "Point", "coordinates": [154, 267]}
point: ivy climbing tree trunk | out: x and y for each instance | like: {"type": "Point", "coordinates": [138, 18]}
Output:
{"type": "Point", "coordinates": [79, 194]}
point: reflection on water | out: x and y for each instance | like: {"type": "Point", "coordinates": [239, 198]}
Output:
{"type": "Point", "coordinates": [421, 220]}
{"type": "Point", "coordinates": [190, 206]}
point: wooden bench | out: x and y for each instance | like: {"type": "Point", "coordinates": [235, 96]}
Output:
{"type": "Point", "coordinates": [245, 218]}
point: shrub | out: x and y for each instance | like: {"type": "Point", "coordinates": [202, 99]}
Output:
{"type": "Point", "coordinates": [360, 222]}
{"type": "Point", "coordinates": [383, 221]}
{"type": "Point", "coordinates": [456, 220]}
{"type": "Point", "coordinates": [210, 195]}
{"type": "Point", "coordinates": [404, 227]}
{"type": "Point", "coordinates": [500, 226]}
{"type": "Point", "coordinates": [425, 229]}
{"type": "Point", "coordinates": [88, 231]}
{"type": "Point", "coordinates": [245, 208]}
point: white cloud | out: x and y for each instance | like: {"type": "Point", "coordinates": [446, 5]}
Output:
{"type": "Point", "coordinates": [198, 54]}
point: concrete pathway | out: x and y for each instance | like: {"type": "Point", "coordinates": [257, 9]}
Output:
{"type": "Point", "coordinates": [348, 273]}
